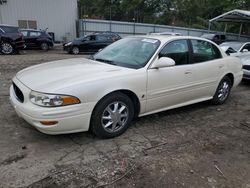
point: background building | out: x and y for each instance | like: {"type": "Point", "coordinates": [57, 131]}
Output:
{"type": "Point", "coordinates": [59, 16]}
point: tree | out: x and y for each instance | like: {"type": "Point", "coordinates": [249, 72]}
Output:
{"type": "Point", "coordinates": [187, 13]}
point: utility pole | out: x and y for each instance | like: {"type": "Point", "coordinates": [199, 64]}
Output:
{"type": "Point", "coordinates": [1, 19]}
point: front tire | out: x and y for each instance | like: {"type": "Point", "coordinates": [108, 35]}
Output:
{"type": "Point", "coordinates": [223, 91]}
{"type": "Point", "coordinates": [6, 48]}
{"type": "Point", "coordinates": [75, 50]}
{"type": "Point", "coordinates": [112, 116]}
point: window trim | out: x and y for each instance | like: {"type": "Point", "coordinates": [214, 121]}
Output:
{"type": "Point", "coordinates": [189, 50]}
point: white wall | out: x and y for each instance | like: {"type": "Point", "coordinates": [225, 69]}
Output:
{"type": "Point", "coordinates": [58, 16]}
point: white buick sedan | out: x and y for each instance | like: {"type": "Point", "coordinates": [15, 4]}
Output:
{"type": "Point", "coordinates": [133, 77]}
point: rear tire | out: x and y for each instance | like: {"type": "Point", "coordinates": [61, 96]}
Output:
{"type": "Point", "coordinates": [44, 46]}
{"type": "Point", "coordinates": [223, 91]}
{"type": "Point", "coordinates": [112, 116]}
{"type": "Point", "coordinates": [6, 48]}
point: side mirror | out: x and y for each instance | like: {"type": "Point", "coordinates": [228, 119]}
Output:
{"type": "Point", "coordinates": [163, 62]}
{"type": "Point", "coordinates": [245, 50]}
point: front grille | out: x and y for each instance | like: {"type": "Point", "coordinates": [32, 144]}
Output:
{"type": "Point", "coordinates": [18, 93]}
{"type": "Point", "coordinates": [246, 67]}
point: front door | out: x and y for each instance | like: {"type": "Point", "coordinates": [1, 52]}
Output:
{"type": "Point", "coordinates": [171, 86]}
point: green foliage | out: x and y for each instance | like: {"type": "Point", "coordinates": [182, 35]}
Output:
{"type": "Point", "coordinates": [188, 13]}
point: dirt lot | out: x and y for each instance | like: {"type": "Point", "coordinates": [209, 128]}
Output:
{"type": "Point", "coordinates": [196, 146]}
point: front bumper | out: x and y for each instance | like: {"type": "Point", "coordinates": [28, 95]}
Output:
{"type": "Point", "coordinates": [67, 48]}
{"type": "Point", "coordinates": [71, 119]}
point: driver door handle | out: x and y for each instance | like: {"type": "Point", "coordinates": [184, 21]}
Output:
{"type": "Point", "coordinates": [221, 66]}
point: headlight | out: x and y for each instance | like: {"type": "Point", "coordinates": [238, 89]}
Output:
{"type": "Point", "coordinates": [69, 43]}
{"type": "Point", "coordinates": [52, 100]}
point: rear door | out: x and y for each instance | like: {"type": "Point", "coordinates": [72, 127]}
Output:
{"type": "Point", "coordinates": [208, 68]}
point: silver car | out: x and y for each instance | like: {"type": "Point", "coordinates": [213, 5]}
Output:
{"type": "Point", "coordinates": [241, 50]}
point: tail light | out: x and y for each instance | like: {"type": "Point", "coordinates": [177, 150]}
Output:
{"type": "Point", "coordinates": [113, 39]}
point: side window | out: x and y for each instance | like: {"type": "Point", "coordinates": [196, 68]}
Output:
{"type": "Point", "coordinates": [246, 47]}
{"type": "Point", "coordinates": [204, 51]}
{"type": "Point", "coordinates": [176, 50]}
{"type": "Point", "coordinates": [25, 33]}
{"type": "Point", "coordinates": [86, 38]}
{"type": "Point", "coordinates": [34, 34]}
{"type": "Point", "coordinates": [92, 37]}
{"type": "Point", "coordinates": [101, 38]}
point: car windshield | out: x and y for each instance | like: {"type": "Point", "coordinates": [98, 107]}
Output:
{"type": "Point", "coordinates": [235, 45]}
{"type": "Point", "coordinates": [132, 52]}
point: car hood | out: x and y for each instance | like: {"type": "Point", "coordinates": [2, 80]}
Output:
{"type": "Point", "coordinates": [224, 48]}
{"type": "Point", "coordinates": [53, 76]}
{"type": "Point", "coordinates": [245, 60]}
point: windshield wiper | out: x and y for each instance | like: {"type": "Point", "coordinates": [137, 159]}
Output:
{"type": "Point", "coordinates": [106, 61]}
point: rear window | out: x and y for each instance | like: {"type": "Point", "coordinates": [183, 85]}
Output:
{"type": "Point", "coordinates": [10, 29]}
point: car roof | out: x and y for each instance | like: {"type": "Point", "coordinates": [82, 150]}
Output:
{"type": "Point", "coordinates": [167, 38]}
{"type": "Point", "coordinates": [166, 33]}
{"type": "Point", "coordinates": [5, 25]}
{"type": "Point", "coordinates": [31, 30]}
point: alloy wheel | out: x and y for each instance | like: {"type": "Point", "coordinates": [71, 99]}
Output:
{"type": "Point", "coordinates": [115, 117]}
{"type": "Point", "coordinates": [75, 50]}
{"type": "Point", "coordinates": [223, 91]}
{"type": "Point", "coordinates": [6, 48]}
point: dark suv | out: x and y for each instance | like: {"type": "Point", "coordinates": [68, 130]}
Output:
{"type": "Point", "coordinates": [217, 38]}
{"type": "Point", "coordinates": [36, 39]}
{"type": "Point", "coordinates": [91, 43]}
{"type": "Point", "coordinates": [11, 39]}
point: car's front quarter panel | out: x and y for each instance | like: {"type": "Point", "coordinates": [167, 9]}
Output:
{"type": "Point", "coordinates": [92, 91]}
{"type": "Point", "coordinates": [76, 118]}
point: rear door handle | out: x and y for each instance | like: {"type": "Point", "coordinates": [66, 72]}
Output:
{"type": "Point", "coordinates": [188, 72]}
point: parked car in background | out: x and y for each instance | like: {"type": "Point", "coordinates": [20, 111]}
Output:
{"type": "Point", "coordinates": [237, 49]}
{"type": "Point", "coordinates": [37, 39]}
{"type": "Point", "coordinates": [242, 51]}
{"type": "Point", "coordinates": [91, 43]}
{"type": "Point", "coordinates": [134, 76]}
{"type": "Point", "coordinates": [217, 38]}
{"type": "Point", "coordinates": [11, 39]}
{"type": "Point", "coordinates": [246, 67]}
{"type": "Point", "coordinates": [166, 33]}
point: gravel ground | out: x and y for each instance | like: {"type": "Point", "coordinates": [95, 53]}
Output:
{"type": "Point", "coordinates": [195, 146]}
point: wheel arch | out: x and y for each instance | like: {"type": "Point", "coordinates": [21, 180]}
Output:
{"type": "Point", "coordinates": [231, 77]}
{"type": "Point", "coordinates": [134, 98]}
